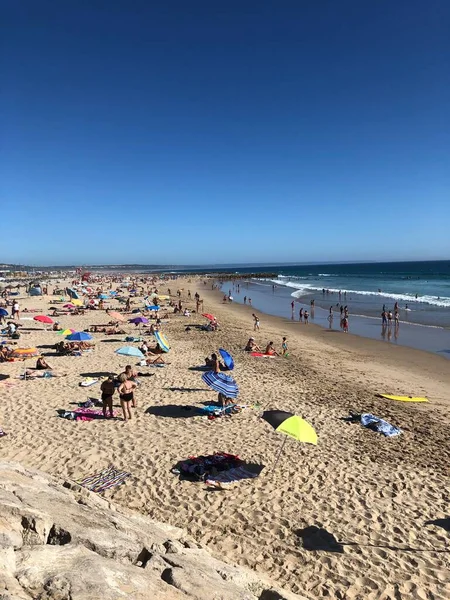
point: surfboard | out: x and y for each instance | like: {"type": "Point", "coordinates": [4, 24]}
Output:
{"type": "Point", "coordinates": [404, 398]}
{"type": "Point", "coordinates": [261, 355]}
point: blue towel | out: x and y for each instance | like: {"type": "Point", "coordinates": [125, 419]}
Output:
{"type": "Point", "coordinates": [377, 424]}
{"type": "Point", "coordinates": [211, 409]}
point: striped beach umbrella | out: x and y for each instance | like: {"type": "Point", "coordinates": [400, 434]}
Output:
{"type": "Point", "coordinates": [224, 384]}
{"type": "Point", "coordinates": [162, 341]}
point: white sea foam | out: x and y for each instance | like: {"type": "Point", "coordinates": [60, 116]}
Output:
{"type": "Point", "coordinates": [306, 288]}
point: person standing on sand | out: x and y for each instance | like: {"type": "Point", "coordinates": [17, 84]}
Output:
{"type": "Point", "coordinates": [15, 313]}
{"type": "Point", "coordinates": [108, 390]}
{"type": "Point", "coordinates": [255, 322]}
{"type": "Point", "coordinates": [245, 299]}
{"type": "Point", "coordinates": [126, 394]}
{"type": "Point", "coordinates": [306, 317]}
{"type": "Point", "coordinates": [300, 315]}
{"type": "Point", "coordinates": [250, 301]}
{"type": "Point", "coordinates": [284, 347]}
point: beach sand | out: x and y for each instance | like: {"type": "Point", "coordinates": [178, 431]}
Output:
{"type": "Point", "coordinates": [371, 499]}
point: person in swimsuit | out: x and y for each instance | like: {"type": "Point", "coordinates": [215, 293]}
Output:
{"type": "Point", "coordinates": [126, 394]}
{"type": "Point", "coordinates": [108, 389]}
{"type": "Point", "coordinates": [42, 364]}
{"type": "Point", "coordinates": [284, 347]}
{"type": "Point", "coordinates": [252, 346]}
{"type": "Point", "coordinates": [270, 349]}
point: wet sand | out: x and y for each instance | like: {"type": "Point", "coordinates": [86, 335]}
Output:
{"type": "Point", "coordinates": [414, 335]}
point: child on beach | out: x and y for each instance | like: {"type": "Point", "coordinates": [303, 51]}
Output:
{"type": "Point", "coordinates": [284, 347]}
{"type": "Point", "coordinates": [256, 322]}
{"type": "Point", "coordinates": [345, 325]}
{"type": "Point", "coordinates": [306, 317]}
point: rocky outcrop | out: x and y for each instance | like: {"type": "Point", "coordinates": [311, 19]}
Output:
{"type": "Point", "coordinates": [59, 541]}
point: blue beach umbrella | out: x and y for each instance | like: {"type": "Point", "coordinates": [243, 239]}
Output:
{"type": "Point", "coordinates": [162, 341]}
{"type": "Point", "coordinates": [79, 336]}
{"type": "Point", "coordinates": [221, 383]}
{"type": "Point", "coordinates": [103, 296]}
{"type": "Point", "coordinates": [227, 358]}
{"type": "Point", "coordinates": [152, 307]}
{"type": "Point", "coordinates": [130, 351]}
{"type": "Point", "coordinates": [3, 312]}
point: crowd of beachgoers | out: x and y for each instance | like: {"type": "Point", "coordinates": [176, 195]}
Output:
{"type": "Point", "coordinates": [157, 390]}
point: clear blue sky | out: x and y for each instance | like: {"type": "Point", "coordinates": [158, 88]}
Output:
{"type": "Point", "coordinates": [238, 131]}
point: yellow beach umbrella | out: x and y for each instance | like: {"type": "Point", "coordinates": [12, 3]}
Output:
{"type": "Point", "coordinates": [292, 426]}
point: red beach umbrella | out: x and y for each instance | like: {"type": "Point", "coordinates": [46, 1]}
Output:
{"type": "Point", "coordinates": [208, 316]}
{"type": "Point", "coordinates": [43, 319]}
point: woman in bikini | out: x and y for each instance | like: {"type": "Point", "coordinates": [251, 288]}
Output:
{"type": "Point", "coordinates": [126, 394]}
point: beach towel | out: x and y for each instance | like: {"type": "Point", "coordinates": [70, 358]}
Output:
{"type": "Point", "coordinates": [233, 475]}
{"type": "Point", "coordinates": [104, 480]}
{"type": "Point", "coordinates": [90, 413]}
{"type": "Point", "coordinates": [200, 468]}
{"type": "Point", "coordinates": [218, 411]}
{"type": "Point", "coordinates": [88, 381]}
{"type": "Point", "coordinates": [380, 425]}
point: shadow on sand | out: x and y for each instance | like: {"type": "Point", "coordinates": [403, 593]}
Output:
{"type": "Point", "coordinates": [175, 411]}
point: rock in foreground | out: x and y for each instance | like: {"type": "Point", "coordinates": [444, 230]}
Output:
{"type": "Point", "coordinates": [58, 541]}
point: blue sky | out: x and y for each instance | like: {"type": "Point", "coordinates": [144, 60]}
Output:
{"type": "Point", "coordinates": [216, 132]}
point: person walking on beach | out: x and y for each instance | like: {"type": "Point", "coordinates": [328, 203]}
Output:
{"type": "Point", "coordinates": [306, 317]}
{"type": "Point", "coordinates": [15, 313]}
{"type": "Point", "coordinates": [284, 347]}
{"type": "Point", "coordinates": [300, 315]}
{"type": "Point", "coordinates": [255, 322]}
{"type": "Point", "coordinates": [108, 389]}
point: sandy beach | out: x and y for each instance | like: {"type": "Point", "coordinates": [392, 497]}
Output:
{"type": "Point", "coordinates": [376, 502]}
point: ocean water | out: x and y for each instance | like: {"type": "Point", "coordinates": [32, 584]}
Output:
{"type": "Point", "coordinates": [422, 290]}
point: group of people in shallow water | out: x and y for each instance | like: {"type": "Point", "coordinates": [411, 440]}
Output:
{"type": "Point", "coordinates": [386, 316]}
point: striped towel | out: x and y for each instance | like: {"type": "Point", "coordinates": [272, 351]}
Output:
{"type": "Point", "coordinates": [108, 478]}
{"type": "Point", "coordinates": [232, 475]}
